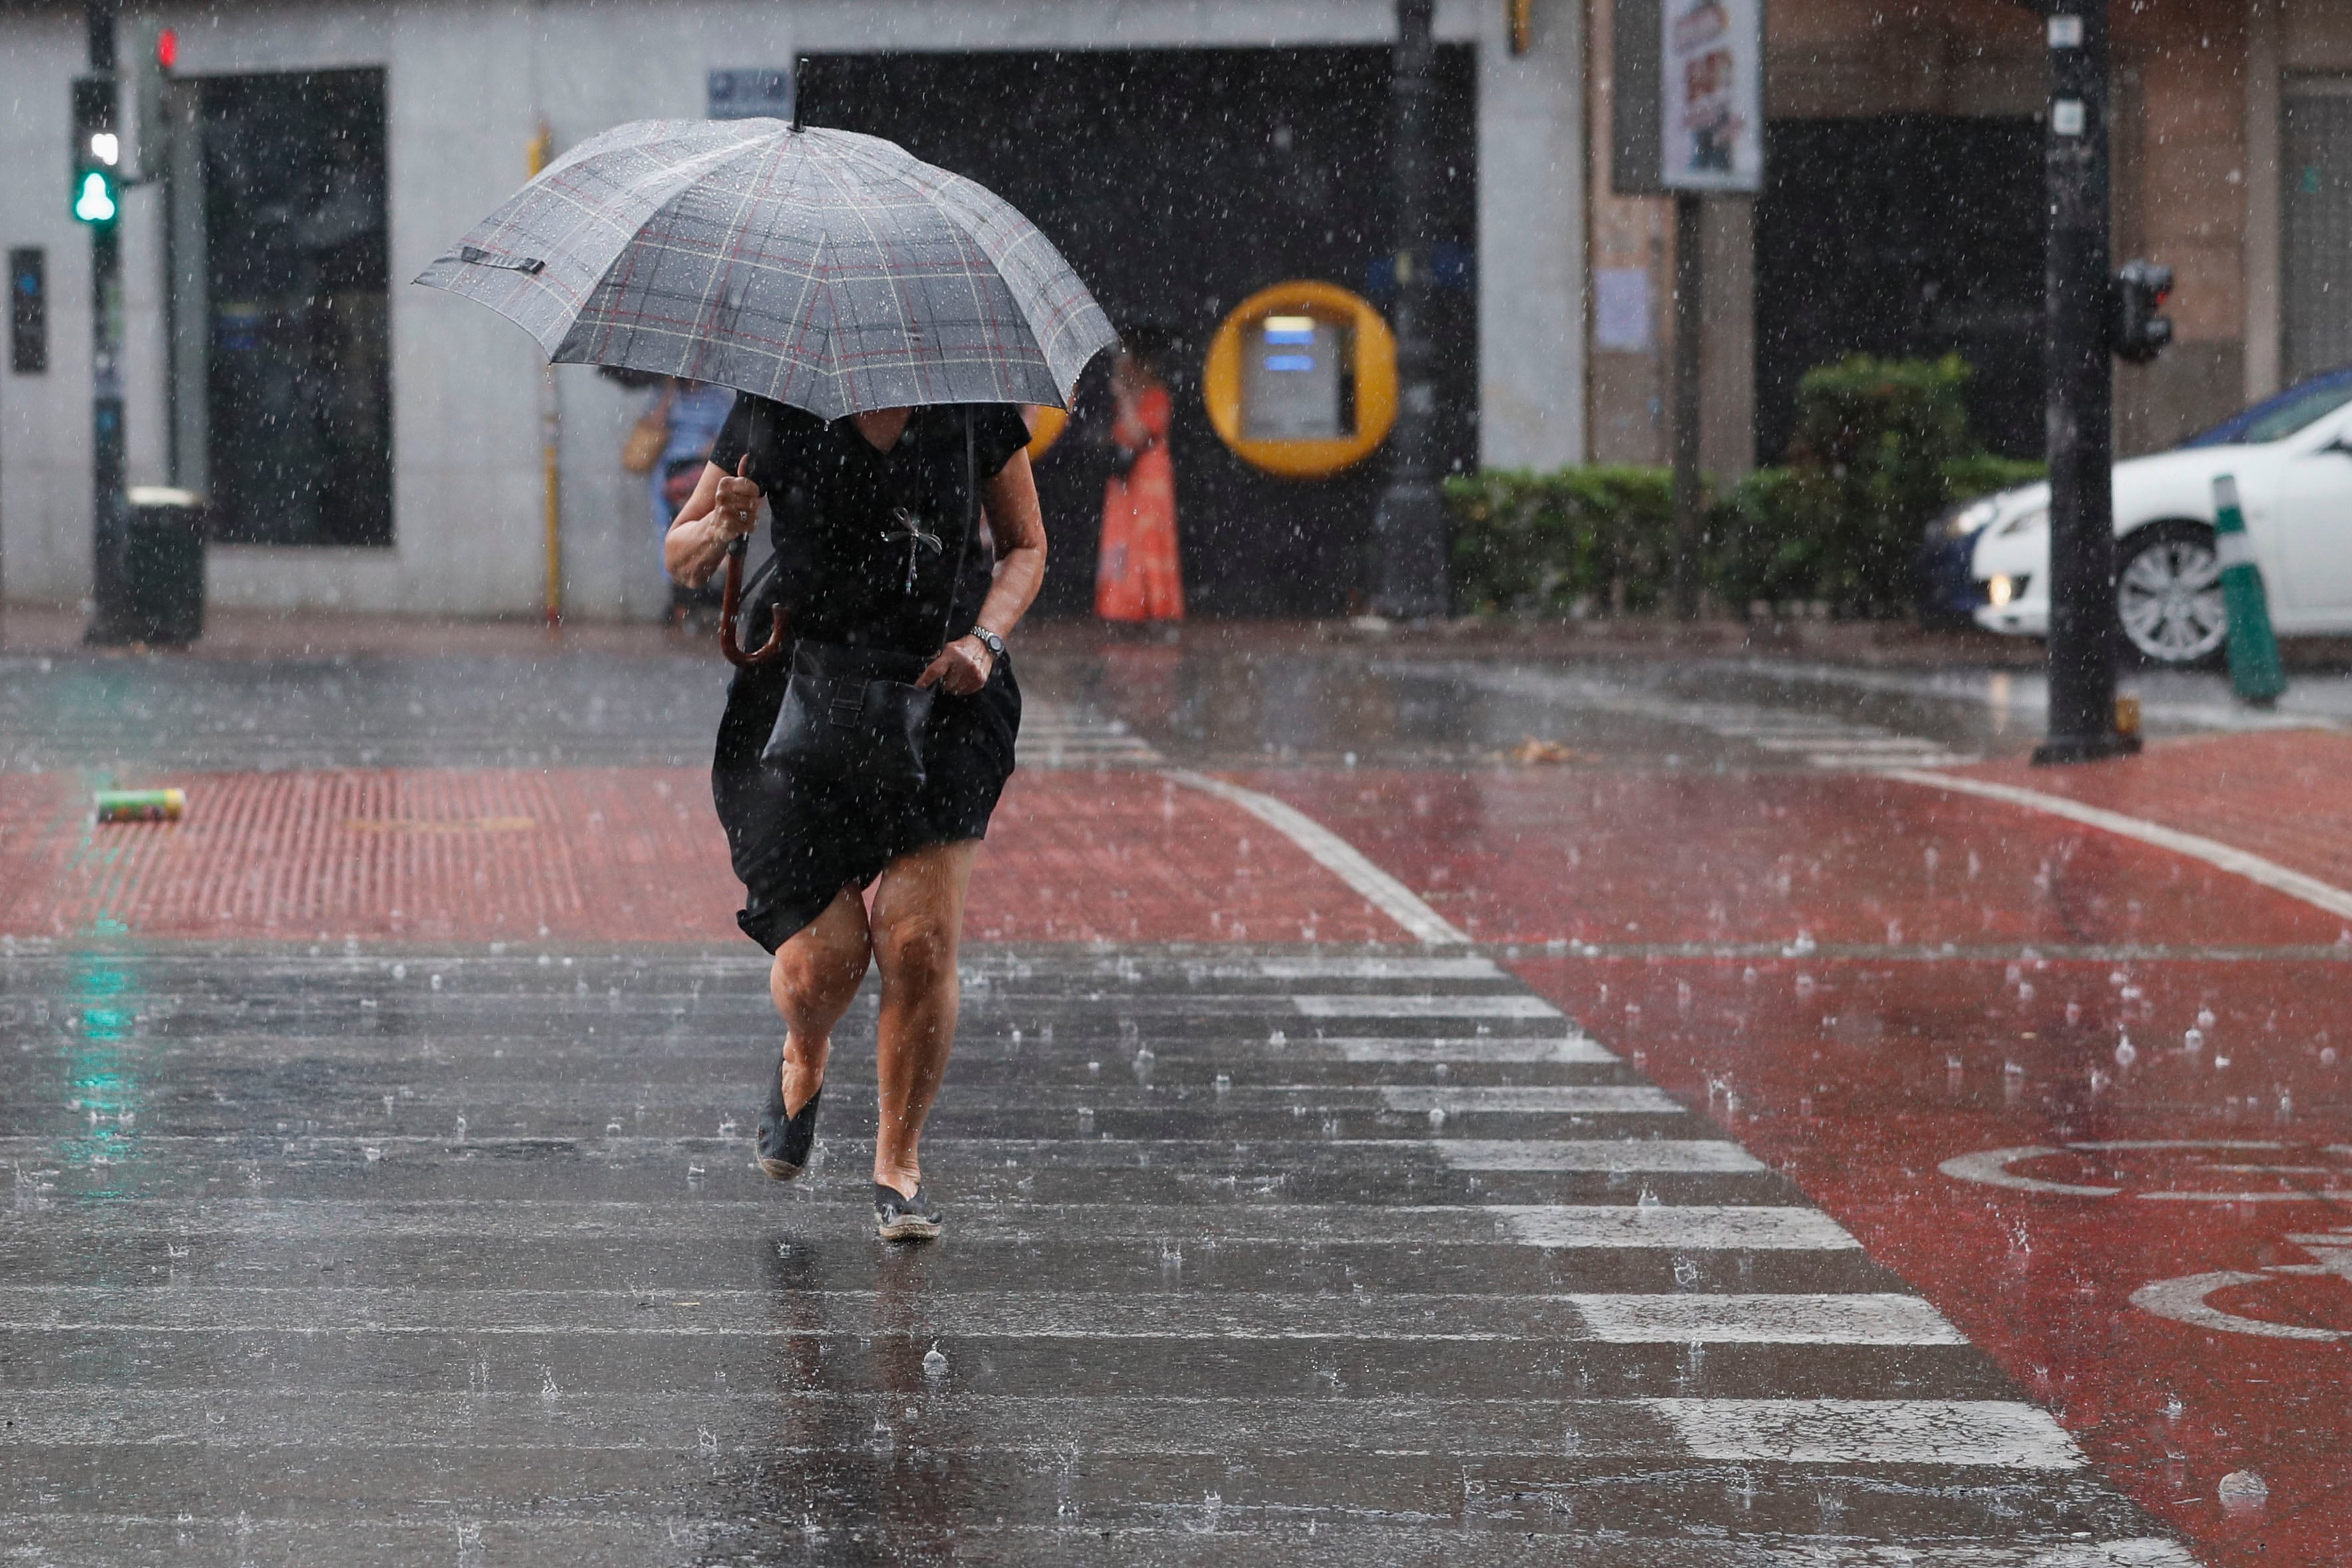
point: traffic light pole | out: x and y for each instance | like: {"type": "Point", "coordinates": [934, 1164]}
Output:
{"type": "Point", "coordinates": [110, 507]}
{"type": "Point", "coordinates": [2079, 368]}
{"type": "Point", "coordinates": [1409, 584]}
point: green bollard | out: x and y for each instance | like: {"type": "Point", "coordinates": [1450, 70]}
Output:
{"type": "Point", "coordinates": [2255, 673]}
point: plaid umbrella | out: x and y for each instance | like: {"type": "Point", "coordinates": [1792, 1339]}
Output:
{"type": "Point", "coordinates": [829, 270]}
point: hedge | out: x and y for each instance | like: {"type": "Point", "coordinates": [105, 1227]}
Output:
{"type": "Point", "coordinates": [1880, 448]}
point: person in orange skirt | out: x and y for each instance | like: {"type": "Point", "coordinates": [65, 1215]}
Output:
{"type": "Point", "coordinates": [1138, 577]}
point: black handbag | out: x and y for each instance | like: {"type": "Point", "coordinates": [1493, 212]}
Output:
{"type": "Point", "coordinates": [854, 716]}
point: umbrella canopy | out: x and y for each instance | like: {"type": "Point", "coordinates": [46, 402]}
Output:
{"type": "Point", "coordinates": [832, 271]}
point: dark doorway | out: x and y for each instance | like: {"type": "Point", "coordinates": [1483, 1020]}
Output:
{"type": "Point", "coordinates": [1178, 182]}
{"type": "Point", "coordinates": [1909, 237]}
{"type": "Point", "coordinates": [298, 384]}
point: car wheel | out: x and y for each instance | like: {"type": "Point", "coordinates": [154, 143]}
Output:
{"type": "Point", "coordinates": [2168, 595]}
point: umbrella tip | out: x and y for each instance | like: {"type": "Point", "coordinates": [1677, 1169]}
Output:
{"type": "Point", "coordinates": [800, 75]}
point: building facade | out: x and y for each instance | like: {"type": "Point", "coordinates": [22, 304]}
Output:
{"type": "Point", "coordinates": [1902, 215]}
{"type": "Point", "coordinates": [374, 446]}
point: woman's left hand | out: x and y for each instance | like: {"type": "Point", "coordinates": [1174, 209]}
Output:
{"type": "Point", "coordinates": [962, 668]}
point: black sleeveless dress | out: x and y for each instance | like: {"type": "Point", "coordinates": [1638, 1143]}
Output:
{"type": "Point", "coordinates": [866, 545]}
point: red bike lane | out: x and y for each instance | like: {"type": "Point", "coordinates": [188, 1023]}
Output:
{"type": "Point", "coordinates": [1960, 1026]}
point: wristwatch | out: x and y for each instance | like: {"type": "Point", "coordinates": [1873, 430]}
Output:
{"type": "Point", "coordinates": [989, 640]}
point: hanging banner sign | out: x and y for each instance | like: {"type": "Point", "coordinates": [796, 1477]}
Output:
{"type": "Point", "coordinates": [1711, 95]}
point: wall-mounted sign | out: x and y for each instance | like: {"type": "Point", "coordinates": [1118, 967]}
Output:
{"type": "Point", "coordinates": [750, 94]}
{"type": "Point", "coordinates": [1688, 96]}
{"type": "Point", "coordinates": [1301, 379]}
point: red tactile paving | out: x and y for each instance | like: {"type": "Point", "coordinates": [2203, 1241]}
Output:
{"type": "Point", "coordinates": [625, 854]}
{"type": "Point", "coordinates": [2285, 795]}
{"type": "Point", "coordinates": [1529, 855]}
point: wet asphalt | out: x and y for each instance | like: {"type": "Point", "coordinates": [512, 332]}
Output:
{"type": "Point", "coordinates": [1254, 1255]}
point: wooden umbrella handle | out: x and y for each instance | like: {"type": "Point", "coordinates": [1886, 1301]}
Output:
{"type": "Point", "coordinates": [729, 600]}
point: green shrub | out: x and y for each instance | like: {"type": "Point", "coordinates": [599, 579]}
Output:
{"type": "Point", "coordinates": [1867, 467]}
{"type": "Point", "coordinates": [1881, 448]}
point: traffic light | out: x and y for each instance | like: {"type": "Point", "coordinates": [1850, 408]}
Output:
{"type": "Point", "coordinates": [154, 54]}
{"type": "Point", "coordinates": [97, 191]}
{"type": "Point", "coordinates": [2138, 333]}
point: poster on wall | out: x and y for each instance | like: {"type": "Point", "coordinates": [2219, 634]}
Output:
{"type": "Point", "coordinates": [1710, 98]}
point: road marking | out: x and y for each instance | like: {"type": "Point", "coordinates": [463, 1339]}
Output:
{"type": "Point", "coordinates": [1577, 1050]}
{"type": "Point", "coordinates": [1380, 969]}
{"type": "Point", "coordinates": [1687, 1225]}
{"type": "Point", "coordinates": [1474, 1005]}
{"type": "Point", "coordinates": [1334, 854]}
{"type": "Point", "coordinates": [1708, 1156]}
{"type": "Point", "coordinates": [1991, 1432]}
{"type": "Point", "coordinates": [1874, 1319]}
{"type": "Point", "coordinates": [1622, 1100]}
{"type": "Point", "coordinates": [2270, 874]}
{"type": "Point", "coordinates": [2183, 1301]}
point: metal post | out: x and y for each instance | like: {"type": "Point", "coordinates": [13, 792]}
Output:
{"type": "Point", "coordinates": [2081, 376]}
{"type": "Point", "coordinates": [551, 434]}
{"type": "Point", "coordinates": [110, 507]}
{"type": "Point", "coordinates": [1410, 526]}
{"type": "Point", "coordinates": [1688, 501]}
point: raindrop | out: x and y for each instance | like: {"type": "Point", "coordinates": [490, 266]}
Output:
{"type": "Point", "coordinates": [2192, 1041]}
{"type": "Point", "coordinates": [437, 982]}
{"type": "Point", "coordinates": [1804, 985]}
{"type": "Point", "coordinates": [2073, 1012]}
{"type": "Point", "coordinates": [2173, 1407]}
{"type": "Point", "coordinates": [2220, 1062]}
{"type": "Point", "coordinates": [1747, 975]}
{"type": "Point", "coordinates": [2327, 1055]}
{"type": "Point", "coordinates": [373, 1153]}
{"type": "Point", "coordinates": [1094, 1069]}
{"type": "Point", "coordinates": [612, 1129]}
{"type": "Point", "coordinates": [400, 972]}
{"type": "Point", "coordinates": [1143, 1060]}
{"type": "Point", "coordinates": [727, 1127]}
{"type": "Point", "coordinates": [934, 1364]}
{"type": "Point", "coordinates": [1277, 1038]}
{"type": "Point", "coordinates": [2126, 1052]}
{"type": "Point", "coordinates": [2025, 990]}
{"type": "Point", "coordinates": [1224, 1083]}
{"type": "Point", "coordinates": [1436, 1116]}
{"type": "Point", "coordinates": [1441, 1070]}
{"type": "Point", "coordinates": [2204, 1017]}
{"type": "Point", "coordinates": [2242, 1492]}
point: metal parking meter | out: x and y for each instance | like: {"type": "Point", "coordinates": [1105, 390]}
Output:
{"type": "Point", "coordinates": [1301, 379]}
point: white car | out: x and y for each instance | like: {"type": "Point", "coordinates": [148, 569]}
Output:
{"type": "Point", "coordinates": [2292, 457]}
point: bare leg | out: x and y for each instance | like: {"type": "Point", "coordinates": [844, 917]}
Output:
{"type": "Point", "coordinates": [917, 923]}
{"type": "Point", "coordinates": [814, 980]}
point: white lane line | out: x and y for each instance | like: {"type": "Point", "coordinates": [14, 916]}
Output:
{"type": "Point", "coordinates": [1692, 1226]}
{"type": "Point", "coordinates": [1380, 969]}
{"type": "Point", "coordinates": [1334, 854]}
{"type": "Point", "coordinates": [1703, 1156]}
{"type": "Point", "coordinates": [2270, 874]}
{"type": "Point", "coordinates": [1989, 1432]}
{"type": "Point", "coordinates": [1803, 1320]}
{"type": "Point", "coordinates": [1577, 1050]}
{"type": "Point", "coordinates": [2140, 1552]}
{"type": "Point", "coordinates": [1620, 1100]}
{"type": "Point", "coordinates": [1488, 1005]}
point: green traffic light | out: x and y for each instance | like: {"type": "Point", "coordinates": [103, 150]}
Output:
{"type": "Point", "coordinates": [95, 204]}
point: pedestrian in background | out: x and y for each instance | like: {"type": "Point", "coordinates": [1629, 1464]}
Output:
{"type": "Point", "coordinates": [669, 446]}
{"type": "Point", "coordinates": [1138, 577]}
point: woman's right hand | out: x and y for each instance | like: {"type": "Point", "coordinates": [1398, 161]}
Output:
{"type": "Point", "coordinates": [737, 510]}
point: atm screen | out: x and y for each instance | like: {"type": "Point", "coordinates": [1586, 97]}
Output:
{"type": "Point", "coordinates": [1297, 381]}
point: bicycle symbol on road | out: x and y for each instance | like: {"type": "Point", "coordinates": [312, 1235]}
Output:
{"type": "Point", "coordinates": [2185, 1170]}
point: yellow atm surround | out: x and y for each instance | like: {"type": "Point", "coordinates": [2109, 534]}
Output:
{"type": "Point", "coordinates": [1294, 329]}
